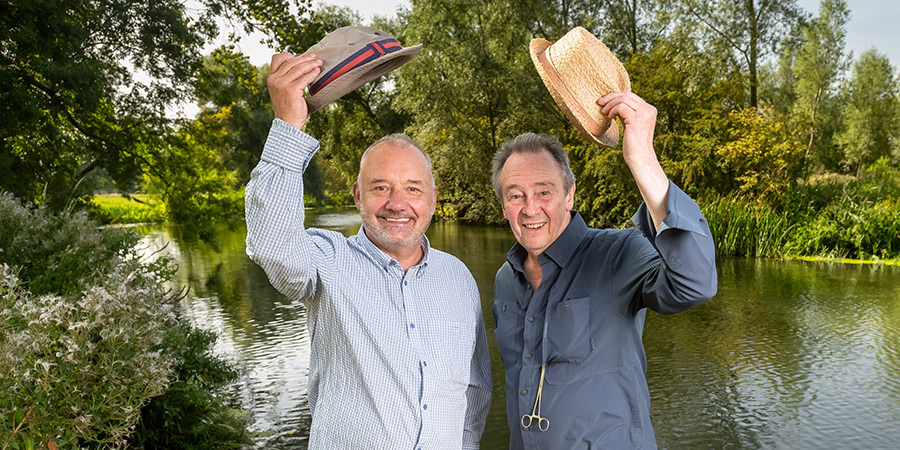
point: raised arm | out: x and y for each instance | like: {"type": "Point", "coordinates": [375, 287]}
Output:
{"type": "Point", "coordinates": [276, 239]}
{"type": "Point", "coordinates": [639, 118]}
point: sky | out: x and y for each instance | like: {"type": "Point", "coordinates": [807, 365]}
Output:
{"type": "Point", "coordinates": [873, 23]}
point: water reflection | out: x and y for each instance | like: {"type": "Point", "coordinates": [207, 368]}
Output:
{"type": "Point", "coordinates": [788, 354]}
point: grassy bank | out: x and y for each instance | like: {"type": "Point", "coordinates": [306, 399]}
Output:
{"type": "Point", "coordinates": [133, 208]}
{"type": "Point", "coordinates": [848, 227]}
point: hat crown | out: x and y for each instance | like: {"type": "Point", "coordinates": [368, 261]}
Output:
{"type": "Point", "coordinates": [588, 69]}
{"type": "Point", "coordinates": [343, 42]}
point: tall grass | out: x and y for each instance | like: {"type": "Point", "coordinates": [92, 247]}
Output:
{"type": "Point", "coordinates": [848, 225]}
{"type": "Point", "coordinates": [747, 228]}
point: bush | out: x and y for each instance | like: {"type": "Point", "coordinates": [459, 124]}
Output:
{"type": "Point", "coordinates": [89, 335]}
{"type": "Point", "coordinates": [58, 253]}
{"type": "Point", "coordinates": [78, 369]}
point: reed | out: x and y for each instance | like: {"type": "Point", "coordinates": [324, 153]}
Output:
{"type": "Point", "coordinates": [743, 227]}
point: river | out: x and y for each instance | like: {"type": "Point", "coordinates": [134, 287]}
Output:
{"type": "Point", "coordinates": [788, 354]}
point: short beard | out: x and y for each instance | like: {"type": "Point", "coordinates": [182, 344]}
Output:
{"type": "Point", "coordinates": [376, 234]}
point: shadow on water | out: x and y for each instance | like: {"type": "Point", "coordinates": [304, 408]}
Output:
{"type": "Point", "coordinates": [787, 355]}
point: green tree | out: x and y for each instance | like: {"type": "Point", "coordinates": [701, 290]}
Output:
{"type": "Point", "coordinates": [70, 100]}
{"type": "Point", "coordinates": [761, 156]}
{"type": "Point", "coordinates": [749, 28]}
{"type": "Point", "coordinates": [819, 65]}
{"type": "Point", "coordinates": [871, 113]}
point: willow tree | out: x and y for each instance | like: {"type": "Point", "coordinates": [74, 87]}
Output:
{"type": "Point", "coordinates": [818, 68]}
{"type": "Point", "coordinates": [751, 29]}
{"type": "Point", "coordinates": [871, 113]}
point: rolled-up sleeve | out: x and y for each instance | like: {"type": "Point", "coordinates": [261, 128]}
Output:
{"type": "Point", "coordinates": [686, 275]}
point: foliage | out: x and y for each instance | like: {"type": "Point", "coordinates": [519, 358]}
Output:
{"type": "Point", "coordinates": [871, 113]}
{"type": "Point", "coordinates": [89, 334]}
{"type": "Point", "coordinates": [193, 181]}
{"type": "Point", "coordinates": [830, 215]}
{"type": "Point", "coordinates": [189, 415]}
{"type": "Point", "coordinates": [745, 227]}
{"type": "Point", "coordinates": [71, 100]}
{"type": "Point", "coordinates": [57, 253]}
{"type": "Point", "coordinates": [748, 29]}
{"type": "Point", "coordinates": [79, 368]}
{"type": "Point", "coordinates": [818, 67]}
{"type": "Point", "coordinates": [762, 155]}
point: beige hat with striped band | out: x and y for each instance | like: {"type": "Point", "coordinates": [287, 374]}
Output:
{"type": "Point", "coordinates": [577, 70]}
{"type": "Point", "coordinates": [351, 57]}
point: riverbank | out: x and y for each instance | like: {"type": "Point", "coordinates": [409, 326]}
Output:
{"type": "Point", "coordinates": [836, 225]}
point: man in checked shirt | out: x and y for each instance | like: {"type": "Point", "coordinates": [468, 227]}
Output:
{"type": "Point", "coordinates": [399, 358]}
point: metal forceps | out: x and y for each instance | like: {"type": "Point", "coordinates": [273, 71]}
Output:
{"type": "Point", "coordinates": [542, 422]}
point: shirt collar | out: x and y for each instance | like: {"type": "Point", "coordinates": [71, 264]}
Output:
{"type": "Point", "coordinates": [560, 251]}
{"type": "Point", "coordinates": [383, 259]}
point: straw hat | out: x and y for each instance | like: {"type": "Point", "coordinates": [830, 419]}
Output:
{"type": "Point", "coordinates": [577, 70]}
{"type": "Point", "coordinates": [351, 57]}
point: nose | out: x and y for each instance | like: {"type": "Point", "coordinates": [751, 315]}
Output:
{"type": "Point", "coordinates": [530, 207]}
{"type": "Point", "coordinates": [396, 200]}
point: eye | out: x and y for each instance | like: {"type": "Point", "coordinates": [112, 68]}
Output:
{"type": "Point", "coordinates": [545, 193]}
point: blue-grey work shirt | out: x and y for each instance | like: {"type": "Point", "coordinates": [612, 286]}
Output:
{"type": "Point", "coordinates": [585, 323]}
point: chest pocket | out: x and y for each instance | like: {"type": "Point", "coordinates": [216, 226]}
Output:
{"type": "Point", "coordinates": [508, 332]}
{"type": "Point", "coordinates": [569, 331]}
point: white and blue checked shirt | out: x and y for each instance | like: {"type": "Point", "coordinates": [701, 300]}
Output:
{"type": "Point", "coordinates": [398, 360]}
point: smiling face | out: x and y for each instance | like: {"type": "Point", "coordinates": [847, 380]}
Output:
{"type": "Point", "coordinates": [395, 196]}
{"type": "Point", "coordinates": [534, 200]}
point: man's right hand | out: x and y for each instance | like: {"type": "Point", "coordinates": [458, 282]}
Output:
{"type": "Point", "coordinates": [289, 76]}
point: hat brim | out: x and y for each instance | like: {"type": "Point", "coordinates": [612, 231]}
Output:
{"type": "Point", "coordinates": [359, 76]}
{"type": "Point", "coordinates": [569, 105]}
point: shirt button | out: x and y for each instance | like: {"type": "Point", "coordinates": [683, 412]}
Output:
{"type": "Point", "coordinates": [528, 356]}
{"type": "Point", "coordinates": [406, 283]}
{"type": "Point", "coordinates": [531, 318]}
{"type": "Point", "coordinates": [425, 363]}
{"type": "Point", "coordinates": [412, 325]}
{"type": "Point", "coordinates": [504, 308]}
{"type": "Point", "coordinates": [425, 406]}
{"type": "Point", "coordinates": [524, 392]}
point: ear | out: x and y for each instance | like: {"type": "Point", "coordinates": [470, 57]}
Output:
{"type": "Point", "coordinates": [570, 198]}
{"type": "Point", "coordinates": [356, 194]}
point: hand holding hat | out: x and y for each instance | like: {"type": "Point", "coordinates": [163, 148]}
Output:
{"type": "Point", "coordinates": [289, 76]}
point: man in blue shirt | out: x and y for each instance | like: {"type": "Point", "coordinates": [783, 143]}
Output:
{"type": "Point", "coordinates": [399, 356]}
{"type": "Point", "coordinates": [570, 301]}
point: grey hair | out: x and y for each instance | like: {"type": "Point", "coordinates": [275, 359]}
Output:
{"type": "Point", "coordinates": [531, 143]}
{"type": "Point", "coordinates": [399, 140]}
